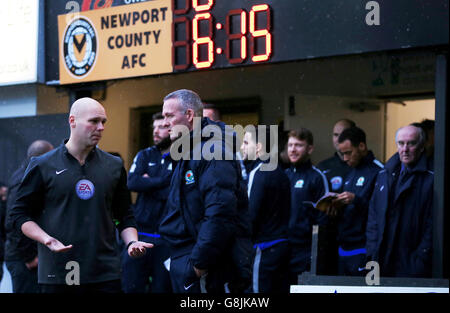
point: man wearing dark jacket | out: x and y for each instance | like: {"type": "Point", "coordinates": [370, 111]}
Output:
{"type": "Point", "coordinates": [202, 205]}
{"type": "Point", "coordinates": [336, 170]}
{"type": "Point", "coordinates": [70, 201]}
{"type": "Point", "coordinates": [269, 206]}
{"type": "Point", "coordinates": [353, 203]}
{"type": "Point", "coordinates": [150, 176]}
{"type": "Point", "coordinates": [20, 251]}
{"type": "Point", "coordinates": [399, 229]}
{"type": "Point", "coordinates": [308, 184]}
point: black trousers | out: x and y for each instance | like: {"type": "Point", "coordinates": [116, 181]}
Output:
{"type": "Point", "coordinates": [184, 279]}
{"type": "Point", "coordinates": [147, 273]}
{"type": "Point", "coordinates": [23, 279]}
{"type": "Point", "coordinates": [352, 265]}
{"type": "Point", "coordinates": [271, 268]}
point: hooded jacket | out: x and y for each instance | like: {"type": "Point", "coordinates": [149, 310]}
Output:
{"type": "Point", "coordinates": [204, 199]}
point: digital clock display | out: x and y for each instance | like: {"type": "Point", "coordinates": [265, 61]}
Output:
{"type": "Point", "coordinates": [205, 34]}
{"type": "Point", "coordinates": [141, 38]}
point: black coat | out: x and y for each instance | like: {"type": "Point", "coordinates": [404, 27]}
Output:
{"type": "Point", "coordinates": [412, 258]}
{"type": "Point", "coordinates": [202, 207]}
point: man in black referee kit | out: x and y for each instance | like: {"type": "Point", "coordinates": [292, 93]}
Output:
{"type": "Point", "coordinates": [70, 201]}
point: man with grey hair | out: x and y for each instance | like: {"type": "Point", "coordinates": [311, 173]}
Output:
{"type": "Point", "coordinates": [20, 251]}
{"type": "Point", "coordinates": [203, 203]}
{"type": "Point", "coordinates": [399, 228]}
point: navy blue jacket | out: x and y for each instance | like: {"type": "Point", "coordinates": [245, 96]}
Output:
{"type": "Point", "coordinates": [269, 202]}
{"type": "Point", "coordinates": [18, 247]}
{"type": "Point", "coordinates": [336, 171]}
{"type": "Point", "coordinates": [202, 205]}
{"type": "Point", "coordinates": [153, 190]}
{"type": "Point", "coordinates": [413, 255]}
{"type": "Point", "coordinates": [353, 218]}
{"type": "Point", "coordinates": [307, 184]}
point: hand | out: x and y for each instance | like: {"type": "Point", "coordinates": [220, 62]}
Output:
{"type": "Point", "coordinates": [56, 246]}
{"type": "Point", "coordinates": [333, 209]}
{"type": "Point", "coordinates": [199, 272]}
{"type": "Point", "coordinates": [145, 175]}
{"type": "Point", "coordinates": [32, 264]}
{"type": "Point", "coordinates": [138, 248]}
{"type": "Point", "coordinates": [345, 198]}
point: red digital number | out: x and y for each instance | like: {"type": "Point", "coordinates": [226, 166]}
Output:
{"type": "Point", "coordinates": [86, 5]}
{"type": "Point", "coordinates": [180, 11]}
{"type": "Point", "coordinates": [180, 43]}
{"type": "Point", "coordinates": [260, 32]}
{"type": "Point", "coordinates": [202, 41]}
{"type": "Point", "coordinates": [202, 7]}
{"type": "Point", "coordinates": [236, 36]}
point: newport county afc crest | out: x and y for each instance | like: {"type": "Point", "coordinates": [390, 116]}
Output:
{"type": "Point", "coordinates": [80, 47]}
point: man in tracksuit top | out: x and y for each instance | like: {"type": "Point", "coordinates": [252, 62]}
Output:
{"type": "Point", "coordinates": [399, 229]}
{"type": "Point", "coordinates": [150, 176]}
{"type": "Point", "coordinates": [20, 251]}
{"type": "Point", "coordinates": [269, 206]}
{"type": "Point", "coordinates": [70, 201]}
{"type": "Point", "coordinates": [202, 203]}
{"type": "Point", "coordinates": [353, 203]}
{"type": "Point", "coordinates": [307, 183]}
{"type": "Point", "coordinates": [336, 170]}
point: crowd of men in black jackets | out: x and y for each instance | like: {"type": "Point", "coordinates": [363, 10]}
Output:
{"type": "Point", "coordinates": [229, 226]}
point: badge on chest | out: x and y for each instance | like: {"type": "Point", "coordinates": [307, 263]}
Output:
{"type": "Point", "coordinates": [85, 189]}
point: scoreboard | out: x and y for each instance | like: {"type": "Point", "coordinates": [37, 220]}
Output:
{"type": "Point", "coordinates": [171, 36]}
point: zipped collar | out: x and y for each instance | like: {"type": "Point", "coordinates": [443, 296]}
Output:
{"type": "Point", "coordinates": [301, 166]}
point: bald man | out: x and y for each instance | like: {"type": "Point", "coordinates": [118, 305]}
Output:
{"type": "Point", "coordinates": [70, 201]}
{"type": "Point", "coordinates": [335, 170]}
{"type": "Point", "coordinates": [20, 251]}
{"type": "Point", "coordinates": [399, 229]}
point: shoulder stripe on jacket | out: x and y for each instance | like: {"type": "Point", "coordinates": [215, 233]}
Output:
{"type": "Point", "coordinates": [378, 163]}
{"type": "Point", "coordinates": [325, 181]}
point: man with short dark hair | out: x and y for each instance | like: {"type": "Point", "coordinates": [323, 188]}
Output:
{"type": "Point", "coordinates": [335, 168]}
{"type": "Point", "coordinates": [399, 228]}
{"type": "Point", "coordinates": [70, 201]}
{"type": "Point", "coordinates": [150, 176]}
{"type": "Point", "coordinates": [428, 131]}
{"type": "Point", "coordinates": [211, 111]}
{"type": "Point", "coordinates": [269, 206]}
{"type": "Point", "coordinates": [20, 251]}
{"type": "Point", "coordinates": [308, 184]}
{"type": "Point", "coordinates": [353, 203]}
